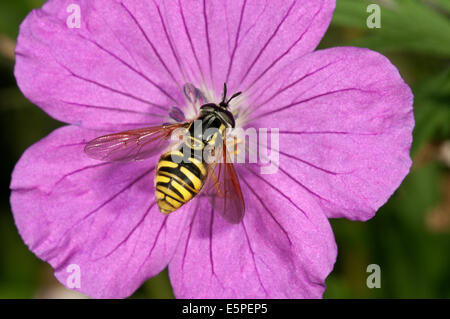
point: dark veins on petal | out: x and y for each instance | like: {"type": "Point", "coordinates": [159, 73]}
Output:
{"type": "Point", "coordinates": [208, 44]}
{"type": "Point", "coordinates": [298, 159]}
{"type": "Point", "coordinates": [236, 40]}
{"type": "Point", "coordinates": [147, 258]}
{"type": "Point", "coordinates": [298, 182]}
{"type": "Point", "coordinates": [330, 132]}
{"type": "Point", "coordinates": [112, 109]}
{"type": "Point", "coordinates": [145, 77]}
{"type": "Point", "coordinates": [277, 190]}
{"type": "Point", "coordinates": [76, 172]}
{"type": "Point", "coordinates": [189, 233]}
{"type": "Point", "coordinates": [186, 29]}
{"type": "Point", "coordinates": [267, 43]}
{"type": "Point", "coordinates": [269, 212]}
{"type": "Point", "coordinates": [211, 224]}
{"type": "Point", "coordinates": [254, 260]}
{"type": "Point", "coordinates": [211, 258]}
{"type": "Point", "coordinates": [106, 202]}
{"type": "Point", "coordinates": [107, 87]}
{"type": "Point", "coordinates": [151, 45]}
{"type": "Point", "coordinates": [308, 100]}
{"type": "Point", "coordinates": [304, 187]}
{"type": "Point", "coordinates": [132, 230]}
{"type": "Point", "coordinates": [292, 84]}
{"type": "Point", "coordinates": [278, 59]}
{"type": "Point", "coordinates": [172, 48]}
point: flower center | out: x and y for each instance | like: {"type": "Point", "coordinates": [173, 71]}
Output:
{"type": "Point", "coordinates": [196, 97]}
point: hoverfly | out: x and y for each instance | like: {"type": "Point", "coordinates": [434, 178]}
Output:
{"type": "Point", "coordinates": [180, 177]}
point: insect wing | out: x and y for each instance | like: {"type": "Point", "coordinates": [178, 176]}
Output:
{"type": "Point", "coordinates": [132, 145]}
{"type": "Point", "coordinates": [223, 190]}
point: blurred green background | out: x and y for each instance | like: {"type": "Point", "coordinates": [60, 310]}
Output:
{"type": "Point", "coordinates": [409, 237]}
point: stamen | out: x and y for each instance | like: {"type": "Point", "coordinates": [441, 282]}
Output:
{"type": "Point", "coordinates": [190, 92]}
{"type": "Point", "coordinates": [177, 114]}
{"type": "Point", "coordinates": [193, 94]}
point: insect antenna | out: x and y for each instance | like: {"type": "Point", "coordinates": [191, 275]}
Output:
{"type": "Point", "coordinates": [224, 102]}
{"type": "Point", "coordinates": [224, 96]}
{"type": "Point", "coordinates": [233, 96]}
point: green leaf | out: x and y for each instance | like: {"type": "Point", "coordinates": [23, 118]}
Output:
{"type": "Point", "coordinates": [442, 4]}
{"type": "Point", "coordinates": [432, 110]}
{"type": "Point", "coordinates": [405, 25]}
{"type": "Point", "coordinates": [418, 194]}
{"type": "Point", "coordinates": [13, 12]}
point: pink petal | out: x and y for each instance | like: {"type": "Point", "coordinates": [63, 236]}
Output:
{"type": "Point", "coordinates": [112, 71]}
{"type": "Point", "coordinates": [127, 63]}
{"type": "Point", "coordinates": [239, 41]}
{"type": "Point", "coordinates": [345, 117]}
{"type": "Point", "coordinates": [280, 250]}
{"type": "Point", "coordinates": [101, 216]}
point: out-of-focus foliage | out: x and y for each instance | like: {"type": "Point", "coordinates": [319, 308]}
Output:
{"type": "Point", "coordinates": [12, 13]}
{"type": "Point", "coordinates": [410, 236]}
{"type": "Point", "coordinates": [416, 26]}
{"type": "Point", "coordinates": [433, 112]}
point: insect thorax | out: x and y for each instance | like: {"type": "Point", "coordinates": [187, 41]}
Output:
{"type": "Point", "coordinates": [211, 118]}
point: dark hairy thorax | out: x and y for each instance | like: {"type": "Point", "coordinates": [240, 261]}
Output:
{"type": "Point", "coordinates": [211, 117]}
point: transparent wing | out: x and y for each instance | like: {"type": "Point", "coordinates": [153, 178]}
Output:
{"type": "Point", "coordinates": [223, 190]}
{"type": "Point", "coordinates": [132, 145]}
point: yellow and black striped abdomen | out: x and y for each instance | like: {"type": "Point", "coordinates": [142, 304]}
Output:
{"type": "Point", "coordinates": [181, 173]}
{"type": "Point", "coordinates": [177, 181]}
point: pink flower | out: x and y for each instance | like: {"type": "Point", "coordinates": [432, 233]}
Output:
{"type": "Point", "coordinates": [344, 114]}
